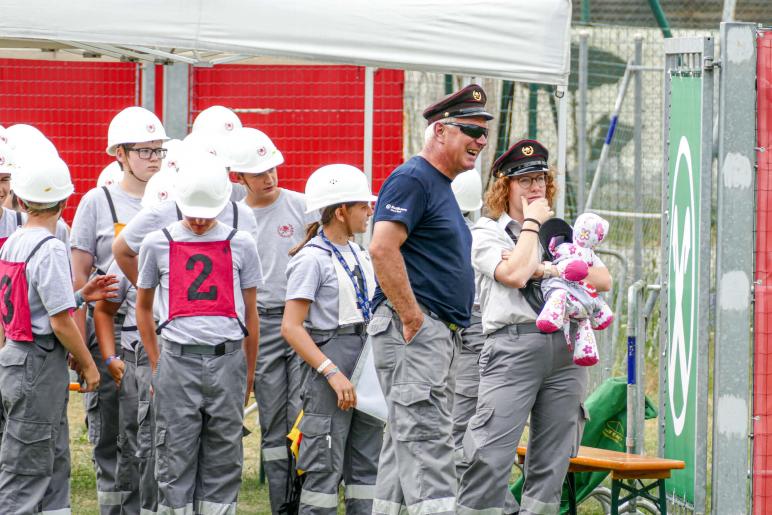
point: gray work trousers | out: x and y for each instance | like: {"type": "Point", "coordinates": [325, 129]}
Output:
{"type": "Point", "coordinates": [337, 445]}
{"type": "Point", "coordinates": [417, 467]}
{"type": "Point", "coordinates": [277, 390]}
{"type": "Point", "coordinates": [199, 413]}
{"type": "Point", "coordinates": [34, 453]}
{"type": "Point", "coordinates": [148, 486]}
{"type": "Point", "coordinates": [522, 374]}
{"type": "Point", "coordinates": [127, 469]}
{"type": "Point", "coordinates": [102, 417]}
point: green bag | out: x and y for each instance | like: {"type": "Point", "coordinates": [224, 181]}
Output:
{"type": "Point", "coordinates": [606, 429]}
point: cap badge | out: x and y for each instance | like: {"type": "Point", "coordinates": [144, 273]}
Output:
{"type": "Point", "coordinates": [447, 114]}
{"type": "Point", "coordinates": [527, 150]}
{"type": "Point", "coordinates": [150, 128]}
{"type": "Point", "coordinates": [262, 151]}
{"type": "Point", "coordinates": [476, 95]}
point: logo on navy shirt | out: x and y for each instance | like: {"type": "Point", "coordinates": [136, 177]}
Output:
{"type": "Point", "coordinates": [285, 231]}
{"type": "Point", "coordinates": [396, 209]}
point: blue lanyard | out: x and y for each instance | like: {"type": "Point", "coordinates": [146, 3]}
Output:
{"type": "Point", "coordinates": [363, 301]}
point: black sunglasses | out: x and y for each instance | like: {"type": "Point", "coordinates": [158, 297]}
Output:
{"type": "Point", "coordinates": [471, 130]}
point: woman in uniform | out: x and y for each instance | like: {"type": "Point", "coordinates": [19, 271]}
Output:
{"type": "Point", "coordinates": [330, 282]}
{"type": "Point", "coordinates": [522, 371]}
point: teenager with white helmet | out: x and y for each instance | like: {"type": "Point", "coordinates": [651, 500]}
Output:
{"type": "Point", "coordinates": [36, 288]}
{"type": "Point", "coordinates": [135, 138]}
{"type": "Point", "coordinates": [215, 126]}
{"type": "Point", "coordinates": [110, 174]}
{"type": "Point", "coordinates": [10, 220]}
{"type": "Point", "coordinates": [330, 282]}
{"type": "Point", "coordinates": [218, 119]}
{"type": "Point", "coordinates": [207, 275]}
{"type": "Point", "coordinates": [281, 216]}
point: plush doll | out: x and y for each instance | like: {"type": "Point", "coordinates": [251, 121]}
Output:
{"type": "Point", "coordinates": [568, 298]}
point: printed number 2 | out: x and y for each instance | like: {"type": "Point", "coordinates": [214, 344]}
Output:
{"type": "Point", "coordinates": [5, 282]}
{"type": "Point", "coordinates": [193, 293]}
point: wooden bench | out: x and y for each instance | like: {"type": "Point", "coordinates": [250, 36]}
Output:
{"type": "Point", "coordinates": [623, 467]}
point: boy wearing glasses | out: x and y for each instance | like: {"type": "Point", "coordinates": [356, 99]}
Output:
{"type": "Point", "coordinates": [522, 371]}
{"type": "Point", "coordinates": [420, 245]}
{"type": "Point", "coordinates": [135, 138]}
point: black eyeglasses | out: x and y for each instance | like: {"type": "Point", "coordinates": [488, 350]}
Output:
{"type": "Point", "coordinates": [526, 180]}
{"type": "Point", "coordinates": [471, 130]}
{"type": "Point", "coordinates": [147, 153]}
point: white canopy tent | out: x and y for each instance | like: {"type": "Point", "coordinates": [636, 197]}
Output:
{"type": "Point", "coordinates": [520, 40]}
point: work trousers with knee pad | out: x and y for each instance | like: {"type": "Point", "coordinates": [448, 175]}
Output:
{"type": "Point", "coordinates": [127, 468]}
{"type": "Point", "coordinates": [277, 390]}
{"type": "Point", "coordinates": [523, 373]}
{"type": "Point", "coordinates": [148, 486]}
{"type": "Point", "coordinates": [102, 416]}
{"type": "Point", "coordinates": [465, 401]}
{"type": "Point", "coordinates": [416, 470]}
{"type": "Point", "coordinates": [199, 414]}
{"type": "Point", "coordinates": [337, 445]}
{"type": "Point", "coordinates": [34, 453]}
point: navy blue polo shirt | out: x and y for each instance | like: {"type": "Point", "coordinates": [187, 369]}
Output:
{"type": "Point", "coordinates": [438, 248]}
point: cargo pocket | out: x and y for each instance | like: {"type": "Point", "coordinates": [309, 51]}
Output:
{"type": "Point", "coordinates": [161, 457]}
{"type": "Point", "coordinates": [315, 453]}
{"type": "Point", "coordinates": [126, 472]}
{"type": "Point", "coordinates": [26, 448]}
{"type": "Point", "coordinates": [93, 417]}
{"type": "Point", "coordinates": [478, 432]}
{"type": "Point", "coordinates": [416, 417]}
{"type": "Point", "coordinates": [582, 417]}
{"type": "Point", "coordinates": [144, 430]}
{"type": "Point", "coordinates": [12, 361]}
{"type": "Point", "coordinates": [383, 346]}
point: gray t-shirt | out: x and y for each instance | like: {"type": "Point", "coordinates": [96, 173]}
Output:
{"type": "Point", "coordinates": [238, 192]}
{"type": "Point", "coordinates": [154, 271]}
{"type": "Point", "coordinates": [165, 213]}
{"type": "Point", "coordinates": [127, 297]}
{"type": "Point", "coordinates": [93, 228]}
{"type": "Point", "coordinates": [280, 226]}
{"type": "Point", "coordinates": [9, 222]}
{"type": "Point", "coordinates": [49, 276]}
{"type": "Point", "coordinates": [311, 275]}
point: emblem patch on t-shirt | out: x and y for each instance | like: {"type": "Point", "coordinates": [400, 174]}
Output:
{"type": "Point", "coordinates": [285, 231]}
{"type": "Point", "coordinates": [396, 209]}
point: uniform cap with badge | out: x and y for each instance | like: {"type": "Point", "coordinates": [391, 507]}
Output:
{"type": "Point", "coordinates": [525, 156]}
{"type": "Point", "coordinates": [468, 102]}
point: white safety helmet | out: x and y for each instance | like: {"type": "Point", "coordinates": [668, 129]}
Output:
{"type": "Point", "coordinates": [111, 174]}
{"type": "Point", "coordinates": [28, 140]}
{"type": "Point", "coordinates": [336, 184]}
{"type": "Point", "coordinates": [133, 125]}
{"type": "Point", "coordinates": [174, 149]}
{"type": "Point", "coordinates": [160, 187]}
{"type": "Point", "coordinates": [217, 119]}
{"type": "Point", "coordinates": [467, 188]}
{"type": "Point", "coordinates": [204, 188]}
{"type": "Point", "coordinates": [210, 142]}
{"type": "Point", "coordinates": [43, 179]}
{"type": "Point", "coordinates": [253, 152]}
{"type": "Point", "coordinates": [3, 135]}
{"type": "Point", "coordinates": [7, 158]}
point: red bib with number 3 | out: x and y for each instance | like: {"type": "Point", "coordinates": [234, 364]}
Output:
{"type": "Point", "coordinates": [15, 314]}
{"type": "Point", "coordinates": [201, 279]}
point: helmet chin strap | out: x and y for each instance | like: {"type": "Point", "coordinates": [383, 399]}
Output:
{"type": "Point", "coordinates": [135, 176]}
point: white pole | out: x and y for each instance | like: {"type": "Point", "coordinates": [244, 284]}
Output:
{"type": "Point", "coordinates": [560, 208]}
{"type": "Point", "coordinates": [368, 135]}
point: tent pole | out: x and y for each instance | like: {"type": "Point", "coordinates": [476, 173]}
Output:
{"type": "Point", "coordinates": [560, 206]}
{"type": "Point", "coordinates": [368, 134]}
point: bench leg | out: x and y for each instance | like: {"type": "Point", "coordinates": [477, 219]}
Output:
{"type": "Point", "coordinates": [615, 497]}
{"type": "Point", "coordinates": [662, 497]}
{"type": "Point", "coordinates": [571, 480]}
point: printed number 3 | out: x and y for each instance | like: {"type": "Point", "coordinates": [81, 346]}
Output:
{"type": "Point", "coordinates": [193, 292]}
{"type": "Point", "coordinates": [5, 282]}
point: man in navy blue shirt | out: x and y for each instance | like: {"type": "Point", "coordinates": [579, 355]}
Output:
{"type": "Point", "coordinates": [421, 251]}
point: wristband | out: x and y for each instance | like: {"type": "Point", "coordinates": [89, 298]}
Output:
{"type": "Point", "coordinates": [332, 372]}
{"type": "Point", "coordinates": [326, 363]}
{"type": "Point", "coordinates": [111, 359]}
{"type": "Point", "coordinates": [79, 300]}
{"type": "Point", "coordinates": [534, 221]}
{"type": "Point", "coordinates": [530, 230]}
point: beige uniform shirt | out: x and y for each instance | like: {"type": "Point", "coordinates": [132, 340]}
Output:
{"type": "Point", "coordinates": [500, 305]}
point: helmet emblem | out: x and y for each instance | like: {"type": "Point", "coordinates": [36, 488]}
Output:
{"type": "Point", "coordinates": [333, 181]}
{"type": "Point", "coordinates": [228, 126]}
{"type": "Point", "coordinates": [262, 151]}
{"type": "Point", "coordinates": [527, 150]}
{"type": "Point", "coordinates": [163, 195]}
{"type": "Point", "coordinates": [285, 231]}
{"type": "Point", "coordinates": [476, 95]}
{"type": "Point", "coordinates": [2, 160]}
{"type": "Point", "coordinates": [151, 128]}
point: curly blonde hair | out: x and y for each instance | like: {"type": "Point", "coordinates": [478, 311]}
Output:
{"type": "Point", "coordinates": [497, 196]}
